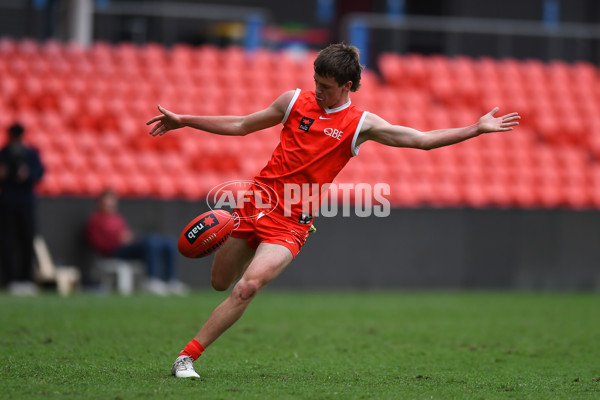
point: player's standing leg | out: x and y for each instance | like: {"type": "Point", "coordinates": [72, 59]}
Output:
{"type": "Point", "coordinates": [268, 262]}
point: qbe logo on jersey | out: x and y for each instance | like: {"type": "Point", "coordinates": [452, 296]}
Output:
{"type": "Point", "coordinates": [234, 195]}
{"type": "Point", "coordinates": [334, 133]}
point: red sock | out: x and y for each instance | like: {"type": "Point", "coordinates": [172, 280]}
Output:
{"type": "Point", "coordinates": [193, 349]}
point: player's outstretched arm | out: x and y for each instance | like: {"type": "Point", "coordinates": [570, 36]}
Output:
{"type": "Point", "coordinates": [224, 124]}
{"type": "Point", "coordinates": [377, 129]}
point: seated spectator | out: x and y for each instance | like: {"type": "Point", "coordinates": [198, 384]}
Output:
{"type": "Point", "coordinates": [108, 234]}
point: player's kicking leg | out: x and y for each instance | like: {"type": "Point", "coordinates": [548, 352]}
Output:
{"type": "Point", "coordinates": [267, 263]}
{"type": "Point", "coordinates": [230, 262]}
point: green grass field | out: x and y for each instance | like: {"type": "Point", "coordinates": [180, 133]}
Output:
{"type": "Point", "coordinates": [300, 345]}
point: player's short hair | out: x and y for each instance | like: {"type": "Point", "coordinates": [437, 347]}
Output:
{"type": "Point", "coordinates": [341, 62]}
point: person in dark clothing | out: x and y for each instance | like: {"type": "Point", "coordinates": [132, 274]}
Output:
{"type": "Point", "coordinates": [20, 170]}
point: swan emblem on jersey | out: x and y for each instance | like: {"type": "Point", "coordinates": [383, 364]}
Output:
{"type": "Point", "coordinates": [305, 123]}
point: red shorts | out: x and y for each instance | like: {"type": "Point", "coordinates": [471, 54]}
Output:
{"type": "Point", "coordinates": [261, 226]}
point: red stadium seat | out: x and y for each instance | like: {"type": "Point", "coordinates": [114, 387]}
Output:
{"type": "Point", "coordinates": [447, 192]}
{"type": "Point", "coordinates": [499, 193]}
{"type": "Point", "coordinates": [403, 194]}
{"type": "Point", "coordinates": [125, 161]}
{"type": "Point", "coordinates": [101, 162]}
{"type": "Point", "coordinates": [8, 47]}
{"type": "Point", "coordinates": [69, 182]}
{"type": "Point", "coordinates": [53, 161]}
{"type": "Point", "coordinates": [182, 55]}
{"type": "Point", "coordinates": [115, 182]}
{"type": "Point", "coordinates": [138, 184]}
{"type": "Point", "coordinates": [75, 161]}
{"type": "Point", "coordinates": [92, 183]}
{"type": "Point", "coordinates": [391, 68]}
{"type": "Point", "coordinates": [164, 184]}
{"type": "Point", "coordinates": [9, 85]}
{"type": "Point", "coordinates": [486, 72]}
{"type": "Point", "coordinates": [189, 186]}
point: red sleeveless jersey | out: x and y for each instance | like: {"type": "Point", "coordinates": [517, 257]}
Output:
{"type": "Point", "coordinates": [315, 145]}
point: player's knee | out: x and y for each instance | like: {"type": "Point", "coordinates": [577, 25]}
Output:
{"type": "Point", "coordinates": [246, 290]}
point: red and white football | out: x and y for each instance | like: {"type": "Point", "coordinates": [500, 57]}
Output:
{"type": "Point", "coordinates": [205, 234]}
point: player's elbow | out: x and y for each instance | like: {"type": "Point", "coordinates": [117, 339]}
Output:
{"type": "Point", "coordinates": [239, 129]}
{"type": "Point", "coordinates": [424, 142]}
{"type": "Point", "coordinates": [243, 128]}
{"type": "Point", "coordinates": [426, 147]}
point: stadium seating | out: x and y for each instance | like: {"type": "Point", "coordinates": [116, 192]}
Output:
{"type": "Point", "coordinates": [85, 109]}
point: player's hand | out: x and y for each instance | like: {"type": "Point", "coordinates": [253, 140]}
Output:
{"type": "Point", "coordinates": [489, 123]}
{"type": "Point", "coordinates": [165, 122]}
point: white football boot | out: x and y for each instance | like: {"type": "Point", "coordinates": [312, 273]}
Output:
{"type": "Point", "coordinates": [183, 367]}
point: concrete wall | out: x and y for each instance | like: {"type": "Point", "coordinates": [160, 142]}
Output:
{"type": "Point", "coordinates": [412, 248]}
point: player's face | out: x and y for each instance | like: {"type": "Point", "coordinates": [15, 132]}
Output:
{"type": "Point", "coordinates": [328, 93]}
